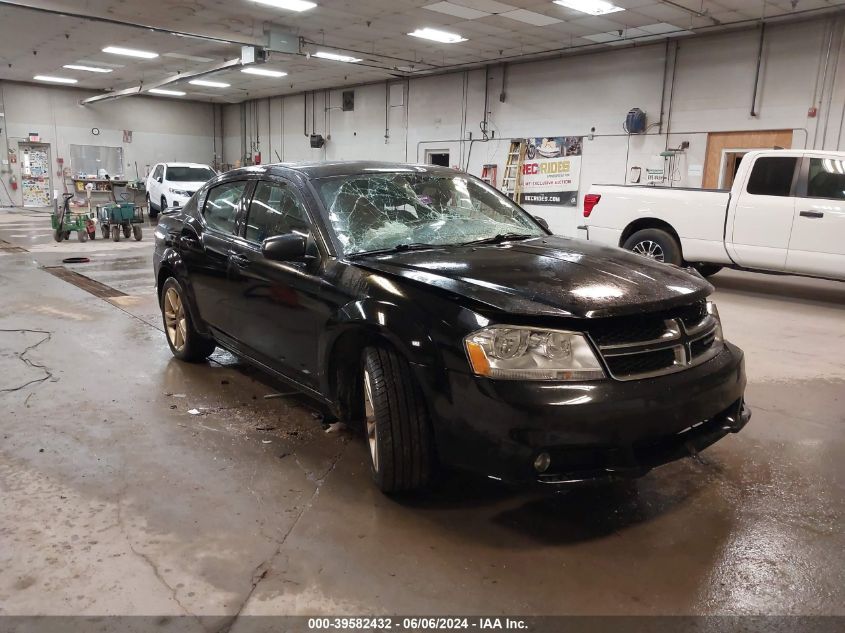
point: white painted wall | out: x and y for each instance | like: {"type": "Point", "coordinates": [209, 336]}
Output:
{"type": "Point", "coordinates": [162, 129]}
{"type": "Point", "coordinates": [568, 96]}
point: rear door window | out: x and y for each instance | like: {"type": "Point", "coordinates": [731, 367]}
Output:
{"type": "Point", "coordinates": [826, 179]}
{"type": "Point", "coordinates": [222, 204]}
{"type": "Point", "coordinates": [276, 209]}
{"type": "Point", "coordinates": [772, 176]}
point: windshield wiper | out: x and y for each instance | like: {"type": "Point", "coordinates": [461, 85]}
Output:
{"type": "Point", "coordinates": [414, 246]}
{"type": "Point", "coordinates": [499, 238]}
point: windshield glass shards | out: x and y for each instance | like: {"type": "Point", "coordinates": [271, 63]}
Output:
{"type": "Point", "coordinates": [382, 211]}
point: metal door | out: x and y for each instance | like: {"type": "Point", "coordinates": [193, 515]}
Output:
{"type": "Point", "coordinates": [35, 174]}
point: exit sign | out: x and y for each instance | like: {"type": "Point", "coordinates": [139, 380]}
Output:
{"type": "Point", "coordinates": [34, 137]}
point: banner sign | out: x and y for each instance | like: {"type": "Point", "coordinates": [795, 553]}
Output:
{"type": "Point", "coordinates": [552, 170]}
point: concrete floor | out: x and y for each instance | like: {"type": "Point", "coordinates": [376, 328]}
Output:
{"type": "Point", "coordinates": [117, 500]}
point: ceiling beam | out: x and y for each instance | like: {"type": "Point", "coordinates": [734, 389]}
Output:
{"type": "Point", "coordinates": [698, 14]}
{"type": "Point", "coordinates": [135, 90]}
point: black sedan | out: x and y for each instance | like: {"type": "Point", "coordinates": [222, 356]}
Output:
{"type": "Point", "coordinates": [424, 307]}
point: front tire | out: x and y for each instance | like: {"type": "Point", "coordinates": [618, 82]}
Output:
{"type": "Point", "coordinates": [397, 426]}
{"type": "Point", "coordinates": [655, 244]}
{"type": "Point", "coordinates": [185, 342]}
{"type": "Point", "coordinates": [150, 211]}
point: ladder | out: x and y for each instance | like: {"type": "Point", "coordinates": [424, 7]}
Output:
{"type": "Point", "coordinates": [488, 174]}
{"type": "Point", "coordinates": [512, 178]}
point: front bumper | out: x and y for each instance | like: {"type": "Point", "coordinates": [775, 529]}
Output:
{"type": "Point", "coordinates": [597, 430]}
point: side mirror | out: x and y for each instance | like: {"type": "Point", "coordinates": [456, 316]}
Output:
{"type": "Point", "coordinates": [284, 248]}
{"type": "Point", "coordinates": [542, 222]}
{"type": "Point", "coordinates": [159, 180]}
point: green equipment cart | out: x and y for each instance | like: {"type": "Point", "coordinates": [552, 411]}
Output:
{"type": "Point", "coordinates": [64, 222]}
{"type": "Point", "coordinates": [120, 217]}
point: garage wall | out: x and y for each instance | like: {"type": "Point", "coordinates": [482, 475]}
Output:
{"type": "Point", "coordinates": [712, 89]}
{"type": "Point", "coordinates": [162, 129]}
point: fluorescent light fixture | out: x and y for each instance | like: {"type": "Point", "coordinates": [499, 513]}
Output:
{"type": "Point", "coordinates": [264, 72]}
{"type": "Point", "coordinates": [88, 69]}
{"type": "Point", "coordinates": [593, 7]}
{"type": "Point", "coordinates": [337, 58]}
{"type": "Point", "coordinates": [54, 80]}
{"type": "Point", "coordinates": [289, 5]}
{"type": "Point", "coordinates": [210, 84]}
{"type": "Point", "coordinates": [438, 36]}
{"type": "Point", "coordinates": [168, 93]}
{"type": "Point", "coordinates": [129, 52]}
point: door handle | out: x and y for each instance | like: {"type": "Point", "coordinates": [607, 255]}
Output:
{"type": "Point", "coordinates": [240, 261]}
{"type": "Point", "coordinates": [812, 214]}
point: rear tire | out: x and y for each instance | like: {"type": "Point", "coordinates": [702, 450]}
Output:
{"type": "Point", "coordinates": [397, 425]}
{"type": "Point", "coordinates": [136, 231]}
{"type": "Point", "coordinates": [115, 233]}
{"type": "Point", "coordinates": [127, 231]}
{"type": "Point", "coordinates": [655, 244]}
{"type": "Point", "coordinates": [104, 229]}
{"type": "Point", "coordinates": [183, 339]}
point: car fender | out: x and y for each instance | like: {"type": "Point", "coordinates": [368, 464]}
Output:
{"type": "Point", "coordinates": [374, 319]}
{"type": "Point", "coordinates": [171, 259]}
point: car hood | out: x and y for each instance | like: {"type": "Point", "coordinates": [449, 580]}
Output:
{"type": "Point", "coordinates": [550, 275]}
{"type": "Point", "coordinates": [185, 186]}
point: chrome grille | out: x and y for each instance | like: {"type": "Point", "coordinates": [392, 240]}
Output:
{"type": "Point", "coordinates": [645, 346]}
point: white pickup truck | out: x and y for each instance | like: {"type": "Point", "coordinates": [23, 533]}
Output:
{"type": "Point", "coordinates": [784, 214]}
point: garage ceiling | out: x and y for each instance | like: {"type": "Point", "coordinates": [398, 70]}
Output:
{"type": "Point", "coordinates": [38, 42]}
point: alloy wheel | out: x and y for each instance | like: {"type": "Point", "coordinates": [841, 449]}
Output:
{"type": "Point", "coordinates": [369, 413]}
{"type": "Point", "coordinates": [650, 249]}
{"type": "Point", "coordinates": [174, 319]}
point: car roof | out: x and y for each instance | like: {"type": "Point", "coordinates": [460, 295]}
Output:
{"type": "Point", "coordinates": [326, 169]}
{"type": "Point", "coordinates": [186, 165]}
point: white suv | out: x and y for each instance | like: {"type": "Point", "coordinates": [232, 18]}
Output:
{"type": "Point", "coordinates": [173, 184]}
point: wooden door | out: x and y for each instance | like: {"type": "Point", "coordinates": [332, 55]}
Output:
{"type": "Point", "coordinates": [718, 142]}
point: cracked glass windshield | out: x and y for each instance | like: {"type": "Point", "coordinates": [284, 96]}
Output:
{"type": "Point", "coordinates": [384, 211]}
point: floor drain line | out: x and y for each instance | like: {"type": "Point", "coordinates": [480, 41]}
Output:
{"type": "Point", "coordinates": [87, 284]}
{"type": "Point", "coordinates": [6, 247]}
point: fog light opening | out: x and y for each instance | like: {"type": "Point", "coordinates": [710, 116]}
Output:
{"type": "Point", "coordinates": [542, 462]}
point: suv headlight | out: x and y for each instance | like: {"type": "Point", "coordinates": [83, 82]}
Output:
{"type": "Point", "coordinates": [180, 192]}
{"type": "Point", "coordinates": [511, 352]}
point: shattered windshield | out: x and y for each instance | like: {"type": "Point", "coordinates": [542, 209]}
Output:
{"type": "Point", "coordinates": [381, 211]}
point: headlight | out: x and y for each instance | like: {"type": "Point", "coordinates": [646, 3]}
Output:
{"type": "Point", "coordinates": [713, 311]}
{"type": "Point", "coordinates": [180, 192]}
{"type": "Point", "coordinates": [511, 352]}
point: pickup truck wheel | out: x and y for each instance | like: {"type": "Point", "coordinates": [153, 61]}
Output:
{"type": "Point", "coordinates": [707, 270]}
{"type": "Point", "coordinates": [185, 342]}
{"type": "Point", "coordinates": [655, 244]}
{"type": "Point", "coordinates": [397, 425]}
